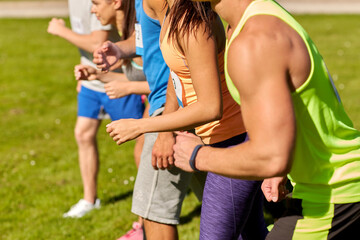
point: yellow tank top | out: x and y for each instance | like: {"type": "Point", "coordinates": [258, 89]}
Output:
{"type": "Point", "coordinates": [326, 165]}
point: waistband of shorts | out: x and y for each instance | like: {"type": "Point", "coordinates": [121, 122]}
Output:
{"type": "Point", "coordinates": [231, 141]}
{"type": "Point", "coordinates": [158, 112]}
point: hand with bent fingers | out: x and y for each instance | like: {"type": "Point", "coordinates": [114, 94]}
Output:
{"type": "Point", "coordinates": [123, 130]}
{"type": "Point", "coordinates": [117, 89]}
{"type": "Point", "coordinates": [162, 152]}
{"type": "Point", "coordinates": [56, 25]}
{"type": "Point", "coordinates": [274, 189]}
{"type": "Point", "coordinates": [85, 72]}
{"type": "Point", "coordinates": [106, 56]}
{"type": "Point", "coordinates": [183, 148]}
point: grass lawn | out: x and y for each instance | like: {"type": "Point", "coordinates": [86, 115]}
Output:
{"type": "Point", "coordinates": [39, 174]}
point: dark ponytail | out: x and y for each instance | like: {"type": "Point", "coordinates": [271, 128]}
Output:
{"type": "Point", "coordinates": [186, 16]}
{"type": "Point", "coordinates": [128, 7]}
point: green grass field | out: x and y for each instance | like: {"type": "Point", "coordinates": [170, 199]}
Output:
{"type": "Point", "coordinates": [39, 174]}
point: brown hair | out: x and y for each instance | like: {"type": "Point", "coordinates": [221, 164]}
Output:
{"type": "Point", "coordinates": [186, 16]}
{"type": "Point", "coordinates": [128, 7]}
{"type": "Point", "coordinates": [128, 25]}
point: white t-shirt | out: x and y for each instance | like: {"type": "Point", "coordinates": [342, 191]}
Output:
{"type": "Point", "coordinates": [84, 22]}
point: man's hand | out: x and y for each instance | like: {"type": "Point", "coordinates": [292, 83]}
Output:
{"type": "Point", "coordinates": [123, 130]}
{"type": "Point", "coordinates": [85, 72]}
{"type": "Point", "coordinates": [55, 26]}
{"type": "Point", "coordinates": [106, 56]}
{"type": "Point", "coordinates": [274, 189]}
{"type": "Point", "coordinates": [185, 144]}
{"type": "Point", "coordinates": [162, 153]}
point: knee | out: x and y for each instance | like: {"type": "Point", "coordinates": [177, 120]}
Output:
{"type": "Point", "coordinates": [84, 136]}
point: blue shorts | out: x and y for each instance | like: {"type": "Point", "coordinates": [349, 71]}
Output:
{"type": "Point", "coordinates": [91, 103]}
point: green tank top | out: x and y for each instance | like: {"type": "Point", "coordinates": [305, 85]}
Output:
{"type": "Point", "coordinates": [326, 165]}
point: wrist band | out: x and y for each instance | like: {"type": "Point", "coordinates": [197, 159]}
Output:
{"type": "Point", "coordinates": [193, 156]}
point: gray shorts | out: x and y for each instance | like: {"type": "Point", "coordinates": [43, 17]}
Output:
{"type": "Point", "coordinates": [158, 194]}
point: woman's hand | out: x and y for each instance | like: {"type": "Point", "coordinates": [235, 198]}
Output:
{"type": "Point", "coordinates": [117, 89]}
{"type": "Point", "coordinates": [124, 130]}
{"type": "Point", "coordinates": [106, 56]}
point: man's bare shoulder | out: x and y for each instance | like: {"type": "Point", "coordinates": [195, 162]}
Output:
{"type": "Point", "coordinates": [261, 39]}
{"type": "Point", "coordinates": [259, 52]}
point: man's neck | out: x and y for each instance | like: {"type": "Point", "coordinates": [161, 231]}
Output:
{"type": "Point", "coordinates": [232, 10]}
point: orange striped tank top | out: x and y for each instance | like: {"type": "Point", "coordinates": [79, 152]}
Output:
{"type": "Point", "coordinates": [230, 124]}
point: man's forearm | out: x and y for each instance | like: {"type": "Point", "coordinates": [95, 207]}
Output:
{"type": "Point", "coordinates": [87, 42]}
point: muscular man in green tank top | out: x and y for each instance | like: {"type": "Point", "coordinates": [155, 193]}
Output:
{"type": "Point", "coordinates": [295, 121]}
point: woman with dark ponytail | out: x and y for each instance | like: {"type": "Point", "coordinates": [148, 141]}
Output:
{"type": "Point", "coordinates": [192, 41]}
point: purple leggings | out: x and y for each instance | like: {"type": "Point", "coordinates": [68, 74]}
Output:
{"type": "Point", "coordinates": [232, 208]}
